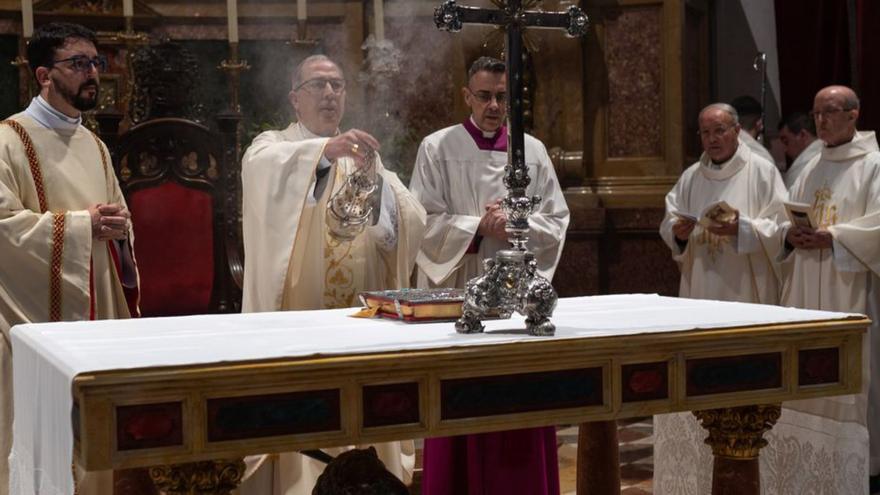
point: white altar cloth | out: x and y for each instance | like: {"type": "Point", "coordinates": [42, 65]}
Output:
{"type": "Point", "coordinates": [47, 357]}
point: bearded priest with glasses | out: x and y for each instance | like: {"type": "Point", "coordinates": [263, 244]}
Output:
{"type": "Point", "coordinates": [66, 231]}
{"type": "Point", "coordinates": [458, 177]}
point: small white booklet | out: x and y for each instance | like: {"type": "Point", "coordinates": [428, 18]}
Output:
{"type": "Point", "coordinates": [718, 212]}
{"type": "Point", "coordinates": [800, 214]}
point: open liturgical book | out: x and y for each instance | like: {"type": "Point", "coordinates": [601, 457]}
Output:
{"type": "Point", "coordinates": [718, 212]}
{"type": "Point", "coordinates": [800, 214]}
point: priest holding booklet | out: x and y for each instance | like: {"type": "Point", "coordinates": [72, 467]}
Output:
{"type": "Point", "coordinates": [722, 227]}
{"type": "Point", "coordinates": [834, 267]}
{"type": "Point", "coordinates": [721, 217]}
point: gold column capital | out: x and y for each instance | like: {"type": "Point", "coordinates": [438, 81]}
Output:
{"type": "Point", "coordinates": [206, 477]}
{"type": "Point", "coordinates": [737, 432]}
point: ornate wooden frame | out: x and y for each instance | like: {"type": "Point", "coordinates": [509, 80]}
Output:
{"type": "Point", "coordinates": [600, 373]}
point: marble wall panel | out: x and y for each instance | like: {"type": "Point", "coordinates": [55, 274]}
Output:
{"type": "Point", "coordinates": [633, 54]}
{"type": "Point", "coordinates": [634, 257]}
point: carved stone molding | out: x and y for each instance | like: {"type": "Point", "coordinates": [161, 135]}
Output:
{"type": "Point", "coordinates": [198, 478]}
{"type": "Point", "coordinates": [738, 432]}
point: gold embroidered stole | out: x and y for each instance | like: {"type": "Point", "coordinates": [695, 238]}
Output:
{"type": "Point", "coordinates": [344, 261]}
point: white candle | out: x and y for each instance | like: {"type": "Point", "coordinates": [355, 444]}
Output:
{"type": "Point", "coordinates": [379, 19]}
{"type": "Point", "coordinates": [301, 11]}
{"type": "Point", "coordinates": [128, 8]}
{"type": "Point", "coordinates": [232, 18]}
{"type": "Point", "coordinates": [27, 18]}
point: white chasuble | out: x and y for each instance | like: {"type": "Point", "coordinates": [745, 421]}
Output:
{"type": "Point", "coordinates": [730, 268]}
{"type": "Point", "coordinates": [455, 176]}
{"type": "Point", "coordinates": [842, 185]}
{"type": "Point", "coordinates": [51, 269]}
{"type": "Point", "coordinates": [292, 263]}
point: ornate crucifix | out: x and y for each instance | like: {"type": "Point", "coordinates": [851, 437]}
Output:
{"type": "Point", "coordinates": [511, 282]}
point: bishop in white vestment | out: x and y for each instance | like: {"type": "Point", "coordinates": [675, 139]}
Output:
{"type": "Point", "coordinates": [292, 262]}
{"type": "Point", "coordinates": [733, 262]}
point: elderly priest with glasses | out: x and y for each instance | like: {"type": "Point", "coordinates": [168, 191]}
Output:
{"type": "Point", "coordinates": [65, 227]}
{"type": "Point", "coordinates": [323, 220]}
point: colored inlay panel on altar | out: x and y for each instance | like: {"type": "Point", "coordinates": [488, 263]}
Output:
{"type": "Point", "coordinates": [644, 381]}
{"type": "Point", "coordinates": [391, 404]}
{"type": "Point", "coordinates": [818, 366]}
{"type": "Point", "coordinates": [147, 426]}
{"type": "Point", "coordinates": [236, 418]}
{"type": "Point", "coordinates": [75, 421]}
{"type": "Point", "coordinates": [526, 392]}
{"type": "Point", "coordinates": [721, 375]}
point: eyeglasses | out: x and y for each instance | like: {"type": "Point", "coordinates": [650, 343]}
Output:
{"type": "Point", "coordinates": [486, 97]}
{"type": "Point", "coordinates": [318, 84]}
{"type": "Point", "coordinates": [83, 63]}
{"type": "Point", "coordinates": [714, 132]}
{"type": "Point", "coordinates": [827, 112]}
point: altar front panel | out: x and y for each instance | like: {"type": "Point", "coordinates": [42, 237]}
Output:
{"type": "Point", "coordinates": [140, 417]}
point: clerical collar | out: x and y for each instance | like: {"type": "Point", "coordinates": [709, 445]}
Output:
{"type": "Point", "coordinates": [726, 170]}
{"type": "Point", "coordinates": [862, 143]}
{"type": "Point", "coordinates": [50, 118]}
{"type": "Point", "coordinates": [488, 141]}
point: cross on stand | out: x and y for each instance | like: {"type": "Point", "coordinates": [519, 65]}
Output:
{"type": "Point", "coordinates": [510, 282]}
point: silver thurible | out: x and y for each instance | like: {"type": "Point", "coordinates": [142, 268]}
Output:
{"type": "Point", "coordinates": [350, 208]}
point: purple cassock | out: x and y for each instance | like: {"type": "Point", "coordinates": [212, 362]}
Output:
{"type": "Point", "coordinates": [502, 463]}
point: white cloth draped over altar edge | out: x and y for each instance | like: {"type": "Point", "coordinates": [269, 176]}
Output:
{"type": "Point", "coordinates": [47, 357]}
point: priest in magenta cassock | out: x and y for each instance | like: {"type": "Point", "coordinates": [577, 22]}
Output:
{"type": "Point", "coordinates": [732, 259]}
{"type": "Point", "coordinates": [292, 262]}
{"type": "Point", "coordinates": [835, 268]}
{"type": "Point", "coordinates": [458, 178]}
{"type": "Point", "coordinates": [65, 243]}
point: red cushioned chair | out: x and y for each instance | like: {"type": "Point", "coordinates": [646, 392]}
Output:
{"type": "Point", "coordinates": [180, 180]}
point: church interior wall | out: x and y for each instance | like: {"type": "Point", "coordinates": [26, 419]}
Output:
{"type": "Point", "coordinates": [609, 106]}
{"type": "Point", "coordinates": [742, 28]}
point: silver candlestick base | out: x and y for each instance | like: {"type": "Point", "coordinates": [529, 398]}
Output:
{"type": "Point", "coordinates": [511, 282]}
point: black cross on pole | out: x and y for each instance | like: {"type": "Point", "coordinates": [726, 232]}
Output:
{"type": "Point", "coordinates": [514, 18]}
{"type": "Point", "coordinates": [510, 281]}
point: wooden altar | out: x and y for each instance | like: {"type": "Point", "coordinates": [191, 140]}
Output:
{"type": "Point", "coordinates": [170, 415]}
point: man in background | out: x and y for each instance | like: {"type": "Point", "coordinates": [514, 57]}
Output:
{"type": "Point", "coordinates": [797, 133]}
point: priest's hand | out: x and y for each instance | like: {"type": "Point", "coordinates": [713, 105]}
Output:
{"type": "Point", "coordinates": [799, 237]}
{"type": "Point", "coordinates": [822, 239]}
{"type": "Point", "coordinates": [807, 238]}
{"type": "Point", "coordinates": [109, 221]}
{"type": "Point", "coordinates": [683, 228]}
{"type": "Point", "coordinates": [353, 143]}
{"type": "Point", "coordinates": [493, 222]}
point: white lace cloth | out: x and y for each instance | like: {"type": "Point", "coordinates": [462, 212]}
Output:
{"type": "Point", "coordinates": [47, 357]}
{"type": "Point", "coordinates": [801, 457]}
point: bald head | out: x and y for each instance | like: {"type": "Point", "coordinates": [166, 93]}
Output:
{"type": "Point", "coordinates": [843, 95]}
{"type": "Point", "coordinates": [836, 110]}
{"type": "Point", "coordinates": [724, 110]}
